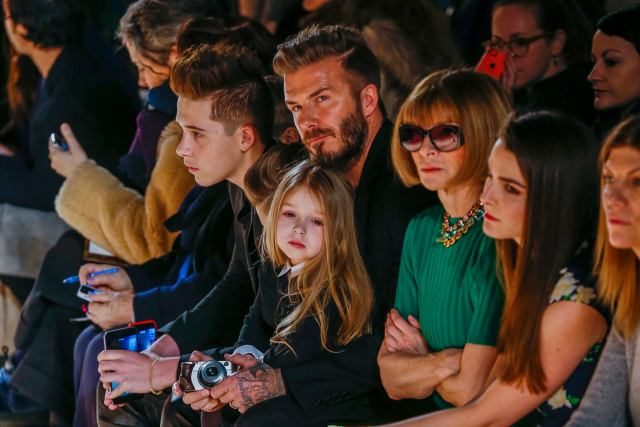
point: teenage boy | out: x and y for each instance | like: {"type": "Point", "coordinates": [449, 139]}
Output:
{"type": "Point", "coordinates": [226, 111]}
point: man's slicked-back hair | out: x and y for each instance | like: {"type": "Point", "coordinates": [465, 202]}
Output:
{"type": "Point", "coordinates": [229, 74]}
{"type": "Point", "coordinates": [316, 43]}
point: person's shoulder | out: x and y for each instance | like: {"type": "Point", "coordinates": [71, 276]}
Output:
{"type": "Point", "coordinates": [576, 282]}
{"type": "Point", "coordinates": [428, 217]}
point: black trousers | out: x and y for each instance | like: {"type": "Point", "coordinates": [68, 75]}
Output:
{"type": "Point", "coordinates": [281, 411]}
{"type": "Point", "coordinates": [45, 333]}
{"type": "Point", "coordinates": [149, 411]}
{"type": "Point", "coordinates": [160, 411]}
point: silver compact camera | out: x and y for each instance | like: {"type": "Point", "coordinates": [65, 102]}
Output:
{"type": "Point", "coordinates": [200, 375]}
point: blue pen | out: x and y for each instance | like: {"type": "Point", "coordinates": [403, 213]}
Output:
{"type": "Point", "coordinates": [76, 279]}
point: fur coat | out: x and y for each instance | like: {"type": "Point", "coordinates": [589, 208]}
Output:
{"type": "Point", "coordinates": [128, 224]}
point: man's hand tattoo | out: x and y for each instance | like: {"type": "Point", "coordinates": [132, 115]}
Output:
{"type": "Point", "coordinates": [259, 383]}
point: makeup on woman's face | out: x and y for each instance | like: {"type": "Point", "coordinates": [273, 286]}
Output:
{"type": "Point", "coordinates": [513, 23]}
{"type": "Point", "coordinates": [621, 197]}
{"type": "Point", "coordinates": [504, 196]}
{"type": "Point", "coordinates": [615, 76]}
{"type": "Point", "coordinates": [436, 169]}
{"type": "Point", "coordinates": [300, 226]}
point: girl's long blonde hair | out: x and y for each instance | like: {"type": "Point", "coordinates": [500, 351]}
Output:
{"type": "Point", "coordinates": [337, 275]}
{"type": "Point", "coordinates": [617, 269]}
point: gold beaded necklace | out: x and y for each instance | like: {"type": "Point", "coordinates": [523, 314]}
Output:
{"type": "Point", "coordinates": [451, 233]}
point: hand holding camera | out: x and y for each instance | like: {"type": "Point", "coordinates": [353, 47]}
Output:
{"type": "Point", "coordinates": [65, 151]}
{"type": "Point", "coordinates": [252, 382]}
{"type": "Point", "coordinates": [196, 376]}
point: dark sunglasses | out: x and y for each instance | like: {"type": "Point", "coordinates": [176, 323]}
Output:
{"type": "Point", "coordinates": [444, 138]}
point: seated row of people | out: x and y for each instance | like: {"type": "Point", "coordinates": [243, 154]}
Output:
{"type": "Point", "coordinates": [310, 318]}
{"type": "Point", "coordinates": [517, 190]}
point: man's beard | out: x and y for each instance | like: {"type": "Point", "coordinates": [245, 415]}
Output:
{"type": "Point", "coordinates": [353, 134]}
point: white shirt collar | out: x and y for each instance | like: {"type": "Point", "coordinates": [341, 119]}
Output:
{"type": "Point", "coordinates": [295, 270]}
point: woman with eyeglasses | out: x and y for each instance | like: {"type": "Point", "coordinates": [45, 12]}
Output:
{"type": "Point", "coordinates": [440, 339]}
{"type": "Point", "coordinates": [546, 43]}
{"type": "Point", "coordinates": [540, 208]}
{"type": "Point", "coordinates": [615, 76]}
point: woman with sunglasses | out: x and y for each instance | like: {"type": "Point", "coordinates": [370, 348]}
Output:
{"type": "Point", "coordinates": [540, 208]}
{"type": "Point", "coordinates": [547, 52]}
{"type": "Point", "coordinates": [440, 338]}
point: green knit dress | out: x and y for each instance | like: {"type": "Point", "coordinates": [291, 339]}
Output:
{"type": "Point", "coordinates": [454, 292]}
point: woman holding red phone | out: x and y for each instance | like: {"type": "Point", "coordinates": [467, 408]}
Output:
{"type": "Point", "coordinates": [546, 46]}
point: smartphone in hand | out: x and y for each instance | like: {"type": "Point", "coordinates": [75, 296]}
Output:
{"type": "Point", "coordinates": [492, 63]}
{"type": "Point", "coordinates": [85, 290]}
{"type": "Point", "coordinates": [137, 337]}
{"type": "Point", "coordinates": [58, 142]}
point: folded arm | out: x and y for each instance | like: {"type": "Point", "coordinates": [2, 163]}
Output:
{"type": "Point", "coordinates": [562, 349]}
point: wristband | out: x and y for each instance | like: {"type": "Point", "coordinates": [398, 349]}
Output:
{"type": "Point", "coordinates": [151, 389]}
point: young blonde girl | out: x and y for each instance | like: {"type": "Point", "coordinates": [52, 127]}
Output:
{"type": "Point", "coordinates": [311, 317]}
{"type": "Point", "coordinates": [334, 278]}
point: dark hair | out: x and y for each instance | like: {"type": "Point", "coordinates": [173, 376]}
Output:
{"type": "Point", "coordinates": [566, 15]}
{"type": "Point", "coordinates": [558, 159]}
{"type": "Point", "coordinates": [316, 43]}
{"type": "Point", "coordinates": [229, 74]}
{"type": "Point", "coordinates": [264, 176]}
{"type": "Point", "coordinates": [623, 23]}
{"type": "Point", "coordinates": [283, 117]}
{"type": "Point", "coordinates": [50, 23]}
{"type": "Point", "coordinates": [250, 34]}
{"type": "Point", "coordinates": [151, 25]}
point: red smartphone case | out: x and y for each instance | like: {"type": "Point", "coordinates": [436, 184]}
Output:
{"type": "Point", "coordinates": [492, 63]}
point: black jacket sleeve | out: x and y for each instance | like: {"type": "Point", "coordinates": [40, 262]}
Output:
{"type": "Point", "coordinates": [149, 274]}
{"type": "Point", "coordinates": [222, 310]}
{"type": "Point", "coordinates": [338, 374]}
{"type": "Point", "coordinates": [336, 377]}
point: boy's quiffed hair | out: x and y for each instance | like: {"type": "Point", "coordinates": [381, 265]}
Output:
{"type": "Point", "coordinates": [316, 43]}
{"type": "Point", "coordinates": [229, 74]}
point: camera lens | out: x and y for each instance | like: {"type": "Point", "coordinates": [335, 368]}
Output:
{"type": "Point", "coordinates": [211, 373]}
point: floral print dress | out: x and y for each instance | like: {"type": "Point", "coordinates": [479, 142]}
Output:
{"type": "Point", "coordinates": [575, 284]}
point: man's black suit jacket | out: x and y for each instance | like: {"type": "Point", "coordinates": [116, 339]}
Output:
{"type": "Point", "coordinates": [333, 385]}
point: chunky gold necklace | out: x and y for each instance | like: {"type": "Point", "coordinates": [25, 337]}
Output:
{"type": "Point", "coordinates": [450, 233]}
